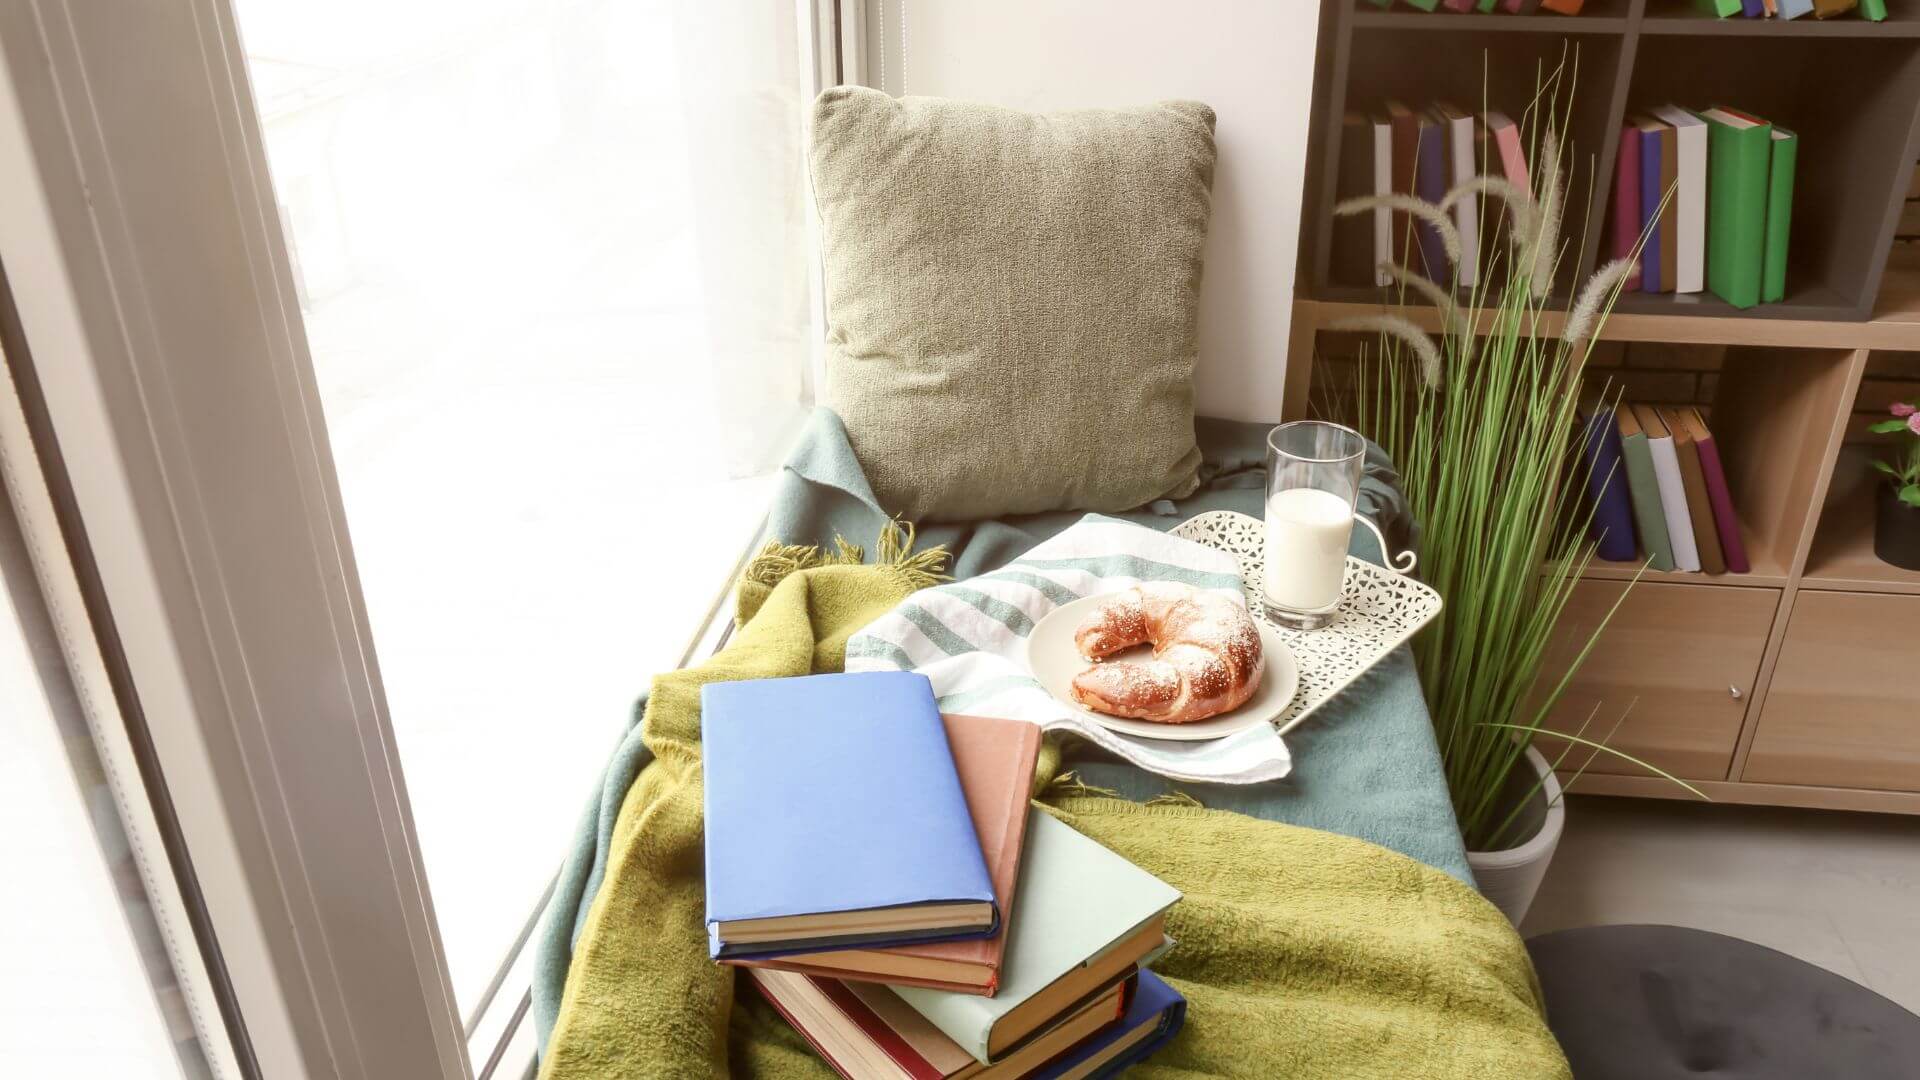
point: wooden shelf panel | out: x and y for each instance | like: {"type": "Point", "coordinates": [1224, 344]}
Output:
{"type": "Point", "coordinates": [1519, 24]}
{"type": "Point", "coordinates": [1807, 301]}
{"type": "Point", "coordinates": [1693, 24]}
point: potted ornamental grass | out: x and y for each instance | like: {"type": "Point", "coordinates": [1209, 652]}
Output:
{"type": "Point", "coordinates": [1896, 511]}
{"type": "Point", "coordinates": [1479, 416]}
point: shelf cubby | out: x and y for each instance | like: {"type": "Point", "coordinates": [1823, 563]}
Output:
{"type": "Point", "coordinates": [1842, 555]}
{"type": "Point", "coordinates": [1848, 87]}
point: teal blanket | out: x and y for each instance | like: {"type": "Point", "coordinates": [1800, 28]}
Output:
{"type": "Point", "coordinates": [1364, 766]}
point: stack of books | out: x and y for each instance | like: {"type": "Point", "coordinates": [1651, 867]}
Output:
{"type": "Point", "coordinates": [1657, 491]}
{"type": "Point", "coordinates": [1712, 191]}
{"type": "Point", "coordinates": [1871, 10]}
{"type": "Point", "coordinates": [1422, 152]}
{"type": "Point", "coordinates": [878, 872]}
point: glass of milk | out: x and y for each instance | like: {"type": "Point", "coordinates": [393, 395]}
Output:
{"type": "Point", "coordinates": [1313, 478]}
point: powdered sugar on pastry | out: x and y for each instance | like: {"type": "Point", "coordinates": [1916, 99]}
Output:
{"type": "Point", "coordinates": [1206, 648]}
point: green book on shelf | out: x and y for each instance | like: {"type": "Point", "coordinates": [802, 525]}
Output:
{"type": "Point", "coordinates": [1424, 5]}
{"type": "Point", "coordinates": [1381, 3]}
{"type": "Point", "coordinates": [1873, 10]}
{"type": "Point", "coordinates": [1643, 487]}
{"type": "Point", "coordinates": [1485, 7]}
{"type": "Point", "coordinates": [1738, 149]}
{"type": "Point", "coordinates": [1773, 271]}
{"type": "Point", "coordinates": [1718, 8]}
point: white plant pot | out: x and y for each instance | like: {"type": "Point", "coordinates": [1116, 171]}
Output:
{"type": "Point", "coordinates": [1510, 878]}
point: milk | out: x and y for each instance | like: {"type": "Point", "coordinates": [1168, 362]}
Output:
{"type": "Point", "coordinates": [1307, 533]}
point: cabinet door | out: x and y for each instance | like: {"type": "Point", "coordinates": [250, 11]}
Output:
{"type": "Point", "coordinates": [1843, 709]}
{"type": "Point", "coordinates": [1677, 661]}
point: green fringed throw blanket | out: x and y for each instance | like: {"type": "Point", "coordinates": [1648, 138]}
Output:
{"type": "Point", "coordinates": [1301, 953]}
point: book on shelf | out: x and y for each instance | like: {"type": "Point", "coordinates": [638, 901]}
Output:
{"type": "Point", "coordinates": [1793, 9]}
{"type": "Point", "coordinates": [1689, 197]}
{"type": "Point", "coordinates": [1873, 10]}
{"type": "Point", "coordinates": [1405, 127]}
{"type": "Point", "coordinates": [1626, 203]}
{"type": "Point", "coordinates": [1461, 6]}
{"type": "Point", "coordinates": [1085, 918]}
{"type": "Point", "coordinates": [1718, 8]}
{"type": "Point", "coordinates": [1726, 523]}
{"type": "Point", "coordinates": [808, 846]}
{"type": "Point", "coordinates": [1779, 227]}
{"type": "Point", "coordinates": [1610, 507]}
{"type": "Point", "coordinates": [1655, 206]}
{"type": "Point", "coordinates": [1430, 184]}
{"type": "Point", "coordinates": [994, 758]}
{"type": "Point", "coordinates": [1485, 7]}
{"type": "Point", "coordinates": [1706, 537]}
{"type": "Point", "coordinates": [1382, 166]}
{"type": "Point", "coordinates": [1673, 496]}
{"type": "Point", "coordinates": [1461, 147]}
{"type": "Point", "coordinates": [1827, 9]}
{"type": "Point", "coordinates": [1562, 7]}
{"type": "Point", "coordinates": [1520, 7]}
{"type": "Point", "coordinates": [1738, 156]}
{"type": "Point", "coordinates": [1353, 234]}
{"type": "Point", "coordinates": [1513, 160]}
{"type": "Point", "coordinates": [865, 1032]}
{"type": "Point", "coordinates": [1754, 9]}
{"type": "Point", "coordinates": [1669, 205]}
{"type": "Point", "coordinates": [1643, 488]}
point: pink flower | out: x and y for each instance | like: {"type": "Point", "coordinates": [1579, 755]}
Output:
{"type": "Point", "coordinates": [1902, 409]}
{"type": "Point", "coordinates": [1913, 423]}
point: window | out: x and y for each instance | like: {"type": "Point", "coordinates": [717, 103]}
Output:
{"type": "Point", "coordinates": [552, 262]}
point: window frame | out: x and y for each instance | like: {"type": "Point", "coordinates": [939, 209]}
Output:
{"type": "Point", "coordinates": [230, 604]}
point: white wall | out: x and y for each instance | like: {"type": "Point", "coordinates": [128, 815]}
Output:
{"type": "Point", "coordinates": [1252, 60]}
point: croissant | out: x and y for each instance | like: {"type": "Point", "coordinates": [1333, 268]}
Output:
{"type": "Point", "coordinates": [1206, 654]}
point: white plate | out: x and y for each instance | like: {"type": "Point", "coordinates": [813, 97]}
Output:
{"type": "Point", "coordinates": [1054, 661]}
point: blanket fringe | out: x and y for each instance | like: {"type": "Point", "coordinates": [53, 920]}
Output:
{"type": "Point", "coordinates": [1068, 785]}
{"type": "Point", "coordinates": [893, 549]}
{"type": "Point", "coordinates": [1177, 798]}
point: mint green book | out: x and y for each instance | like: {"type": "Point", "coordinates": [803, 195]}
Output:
{"type": "Point", "coordinates": [1485, 6]}
{"type": "Point", "coordinates": [1718, 8]}
{"type": "Point", "coordinates": [1424, 5]}
{"type": "Point", "coordinates": [1773, 259]}
{"type": "Point", "coordinates": [1873, 10]}
{"type": "Point", "coordinates": [1643, 487]}
{"type": "Point", "coordinates": [1738, 152]}
{"type": "Point", "coordinates": [1083, 918]}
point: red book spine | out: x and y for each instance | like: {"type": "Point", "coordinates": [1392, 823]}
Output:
{"type": "Point", "coordinates": [1626, 200]}
{"type": "Point", "coordinates": [887, 1039]}
{"type": "Point", "coordinates": [1725, 521]}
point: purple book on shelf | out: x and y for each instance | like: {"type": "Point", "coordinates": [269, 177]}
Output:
{"type": "Point", "coordinates": [1753, 9]}
{"type": "Point", "coordinates": [1650, 202]}
{"type": "Point", "coordinates": [1430, 184]}
{"type": "Point", "coordinates": [1611, 523]}
{"type": "Point", "coordinates": [1725, 522]}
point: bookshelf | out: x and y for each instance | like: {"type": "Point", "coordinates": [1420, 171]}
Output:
{"type": "Point", "coordinates": [1788, 685]}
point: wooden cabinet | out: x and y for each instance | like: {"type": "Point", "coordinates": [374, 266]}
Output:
{"type": "Point", "coordinates": [1844, 707]}
{"type": "Point", "coordinates": [1678, 661]}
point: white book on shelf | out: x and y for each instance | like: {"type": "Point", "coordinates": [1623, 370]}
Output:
{"type": "Point", "coordinates": [1673, 496]}
{"type": "Point", "coordinates": [1382, 185]}
{"type": "Point", "coordinates": [1690, 200]}
{"type": "Point", "coordinates": [1462, 144]}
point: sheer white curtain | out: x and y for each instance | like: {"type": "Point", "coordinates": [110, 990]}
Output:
{"type": "Point", "coordinates": [553, 262]}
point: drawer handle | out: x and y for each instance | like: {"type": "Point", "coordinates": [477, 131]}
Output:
{"type": "Point", "coordinates": [1735, 691]}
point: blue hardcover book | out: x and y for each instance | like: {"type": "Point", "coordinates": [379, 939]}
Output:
{"type": "Point", "coordinates": [1611, 525]}
{"type": "Point", "coordinates": [1754, 9]}
{"type": "Point", "coordinates": [1430, 184]}
{"type": "Point", "coordinates": [1793, 9]}
{"type": "Point", "coordinates": [1151, 1021]}
{"type": "Point", "coordinates": [1651, 194]}
{"type": "Point", "coordinates": [835, 818]}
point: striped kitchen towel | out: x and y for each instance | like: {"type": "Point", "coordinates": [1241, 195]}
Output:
{"type": "Point", "coordinates": [969, 638]}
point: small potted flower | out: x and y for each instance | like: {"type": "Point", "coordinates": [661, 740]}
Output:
{"type": "Point", "coordinates": [1896, 520]}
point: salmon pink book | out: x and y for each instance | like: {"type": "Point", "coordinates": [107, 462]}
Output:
{"type": "Point", "coordinates": [995, 760]}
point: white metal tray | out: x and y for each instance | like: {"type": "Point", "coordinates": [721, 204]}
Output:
{"type": "Point", "coordinates": [1379, 610]}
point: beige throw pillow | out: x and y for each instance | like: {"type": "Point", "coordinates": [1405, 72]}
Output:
{"type": "Point", "coordinates": [1011, 299]}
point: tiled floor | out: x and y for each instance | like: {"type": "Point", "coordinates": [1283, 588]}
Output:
{"type": "Point", "coordinates": [1836, 889]}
